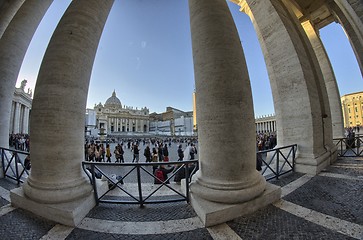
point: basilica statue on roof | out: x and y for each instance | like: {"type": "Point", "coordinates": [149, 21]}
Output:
{"type": "Point", "coordinates": [116, 119]}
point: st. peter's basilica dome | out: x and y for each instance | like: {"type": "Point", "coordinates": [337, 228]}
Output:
{"type": "Point", "coordinates": [113, 101]}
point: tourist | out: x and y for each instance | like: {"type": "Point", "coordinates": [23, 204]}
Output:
{"type": "Point", "coordinates": [192, 151]}
{"type": "Point", "coordinates": [108, 153]}
{"type": "Point", "coordinates": [147, 154]}
{"type": "Point", "coordinates": [160, 152]}
{"type": "Point", "coordinates": [117, 154]}
{"type": "Point", "coordinates": [180, 153]}
{"type": "Point", "coordinates": [161, 174]}
{"type": "Point", "coordinates": [136, 151]}
{"type": "Point", "coordinates": [166, 153]}
{"type": "Point", "coordinates": [121, 151]}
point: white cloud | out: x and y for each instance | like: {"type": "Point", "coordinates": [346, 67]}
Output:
{"type": "Point", "coordinates": [143, 44]}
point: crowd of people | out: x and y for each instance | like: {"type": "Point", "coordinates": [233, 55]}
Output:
{"type": "Point", "coordinates": [19, 141]}
{"type": "Point", "coordinates": [155, 149]}
{"type": "Point", "coordinates": [265, 141]}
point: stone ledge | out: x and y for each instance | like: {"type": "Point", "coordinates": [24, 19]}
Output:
{"type": "Point", "coordinates": [69, 213]}
{"type": "Point", "coordinates": [212, 213]}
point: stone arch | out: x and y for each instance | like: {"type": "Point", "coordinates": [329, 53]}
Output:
{"type": "Point", "coordinates": [299, 92]}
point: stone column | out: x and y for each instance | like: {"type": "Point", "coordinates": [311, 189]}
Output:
{"type": "Point", "coordinates": [300, 98]}
{"type": "Point", "coordinates": [329, 78]}
{"type": "Point", "coordinates": [57, 121]}
{"type": "Point", "coordinates": [225, 115]}
{"type": "Point", "coordinates": [26, 120]}
{"type": "Point", "coordinates": [13, 45]}
{"type": "Point", "coordinates": [17, 117]}
{"type": "Point", "coordinates": [350, 15]}
{"type": "Point", "coordinates": [7, 12]}
{"type": "Point", "coordinates": [11, 124]}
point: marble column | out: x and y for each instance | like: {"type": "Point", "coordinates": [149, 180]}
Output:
{"type": "Point", "coordinates": [227, 174]}
{"type": "Point", "coordinates": [13, 46]}
{"type": "Point", "coordinates": [329, 78]}
{"type": "Point", "coordinates": [57, 179]}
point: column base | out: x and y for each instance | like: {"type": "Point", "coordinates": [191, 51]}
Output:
{"type": "Point", "coordinates": [212, 213]}
{"type": "Point", "coordinates": [69, 213]}
{"type": "Point", "coordinates": [313, 164]}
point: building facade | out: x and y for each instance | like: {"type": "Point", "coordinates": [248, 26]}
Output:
{"type": "Point", "coordinates": [265, 124]}
{"type": "Point", "coordinates": [172, 122]}
{"type": "Point", "coordinates": [20, 110]}
{"type": "Point", "coordinates": [352, 106]}
{"type": "Point", "coordinates": [116, 119]}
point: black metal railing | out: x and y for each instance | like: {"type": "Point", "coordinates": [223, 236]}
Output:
{"type": "Point", "coordinates": [278, 161]}
{"type": "Point", "coordinates": [349, 146]}
{"type": "Point", "coordinates": [275, 163]}
{"type": "Point", "coordinates": [13, 164]}
{"type": "Point", "coordinates": [139, 175]}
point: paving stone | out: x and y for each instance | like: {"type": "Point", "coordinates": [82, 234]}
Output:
{"type": "Point", "coordinates": [347, 166]}
{"type": "Point", "coordinates": [8, 183]}
{"type": "Point", "coordinates": [19, 224]}
{"type": "Point", "coordinates": [274, 223]}
{"type": "Point", "coordinates": [286, 179]}
{"type": "Point", "coordinates": [198, 234]}
{"type": "Point", "coordinates": [3, 202]}
{"type": "Point", "coordinates": [151, 212]}
{"type": "Point", "coordinates": [332, 196]}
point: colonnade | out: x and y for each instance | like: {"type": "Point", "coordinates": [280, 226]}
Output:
{"type": "Point", "coordinates": [227, 184]}
{"type": "Point", "coordinates": [117, 124]}
{"type": "Point", "coordinates": [19, 122]}
{"type": "Point", "coordinates": [263, 126]}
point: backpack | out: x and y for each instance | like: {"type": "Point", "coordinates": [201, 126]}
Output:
{"type": "Point", "coordinates": [159, 176]}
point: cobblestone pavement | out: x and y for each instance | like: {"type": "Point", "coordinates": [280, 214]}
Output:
{"type": "Point", "coordinates": [326, 206]}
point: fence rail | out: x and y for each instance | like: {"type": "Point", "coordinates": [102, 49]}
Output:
{"type": "Point", "coordinates": [277, 161]}
{"type": "Point", "coordinates": [349, 146]}
{"type": "Point", "coordinates": [138, 175]}
{"type": "Point", "coordinates": [13, 164]}
{"type": "Point", "coordinates": [133, 183]}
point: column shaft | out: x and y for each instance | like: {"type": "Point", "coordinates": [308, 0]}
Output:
{"type": "Point", "coordinates": [26, 120]}
{"type": "Point", "coordinates": [59, 104]}
{"type": "Point", "coordinates": [224, 107]}
{"type": "Point", "coordinates": [329, 78]}
{"type": "Point", "coordinates": [13, 45]}
{"type": "Point", "coordinates": [351, 20]}
{"type": "Point", "coordinates": [299, 92]}
{"type": "Point", "coordinates": [7, 12]}
{"type": "Point", "coordinates": [17, 118]}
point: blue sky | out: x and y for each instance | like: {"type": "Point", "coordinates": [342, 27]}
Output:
{"type": "Point", "coordinates": [145, 55]}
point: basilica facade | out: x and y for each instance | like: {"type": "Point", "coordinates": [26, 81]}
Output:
{"type": "Point", "coordinates": [116, 119]}
{"type": "Point", "coordinates": [20, 110]}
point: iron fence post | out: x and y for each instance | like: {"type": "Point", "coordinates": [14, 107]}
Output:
{"type": "Point", "coordinates": [2, 161]}
{"type": "Point", "coordinates": [187, 181]}
{"type": "Point", "coordinates": [16, 167]}
{"type": "Point", "coordinates": [139, 185]}
{"type": "Point", "coordinates": [277, 163]}
{"type": "Point", "coordinates": [94, 183]}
